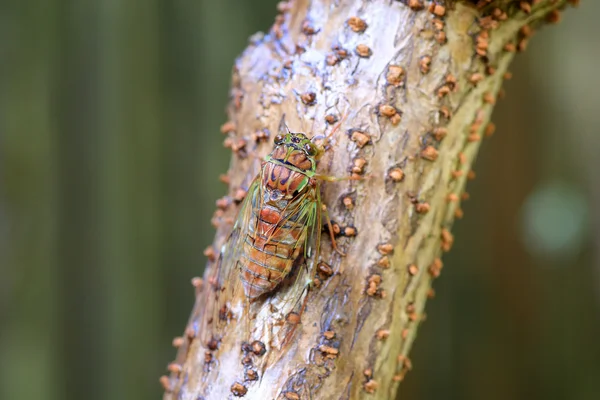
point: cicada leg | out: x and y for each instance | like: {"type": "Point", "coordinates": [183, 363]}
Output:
{"type": "Point", "coordinates": [331, 233]}
{"type": "Point", "coordinates": [324, 207]}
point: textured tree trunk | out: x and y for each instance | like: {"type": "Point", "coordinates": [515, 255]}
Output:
{"type": "Point", "coordinates": [417, 82]}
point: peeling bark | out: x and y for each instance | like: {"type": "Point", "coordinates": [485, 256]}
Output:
{"type": "Point", "coordinates": [417, 82]}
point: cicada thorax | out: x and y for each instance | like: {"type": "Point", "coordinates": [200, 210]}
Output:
{"type": "Point", "coordinates": [278, 227]}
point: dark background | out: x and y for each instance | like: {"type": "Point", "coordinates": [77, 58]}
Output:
{"type": "Point", "coordinates": [110, 153]}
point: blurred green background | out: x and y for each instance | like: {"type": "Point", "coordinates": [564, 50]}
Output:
{"type": "Point", "coordinates": [110, 153]}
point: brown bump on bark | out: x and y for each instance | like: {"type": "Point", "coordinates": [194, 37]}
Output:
{"type": "Point", "coordinates": [331, 119]}
{"type": "Point", "coordinates": [553, 17]}
{"type": "Point", "coordinates": [457, 173]}
{"type": "Point", "coordinates": [413, 269]}
{"type": "Point", "coordinates": [447, 240]}
{"type": "Point", "coordinates": [308, 28]}
{"type": "Point", "coordinates": [488, 22]}
{"type": "Point", "coordinates": [395, 75]}
{"type": "Point", "coordinates": [452, 197]}
{"type": "Point", "coordinates": [443, 91]}
{"type": "Point", "coordinates": [225, 179]}
{"type": "Point", "coordinates": [238, 389]}
{"type": "Point", "coordinates": [445, 112]}
{"type": "Point", "coordinates": [174, 368]}
{"type": "Point", "coordinates": [258, 348]}
{"type": "Point", "coordinates": [526, 31]}
{"type": "Point", "coordinates": [223, 203]}
{"type": "Point", "coordinates": [360, 138]}
{"type": "Point", "coordinates": [382, 334]}
{"type": "Point", "coordinates": [357, 24]}
{"type": "Point", "coordinates": [510, 47]}
{"type": "Point", "coordinates": [416, 5]}
{"type": "Point", "coordinates": [239, 195]}
{"type": "Point", "coordinates": [429, 153]}
{"type": "Point", "coordinates": [358, 165]}
{"type": "Point", "coordinates": [332, 59]}
{"type": "Point", "coordinates": [325, 269]}
{"type": "Point", "coordinates": [473, 137]}
{"type": "Point", "coordinates": [439, 133]}
{"type": "Point", "coordinates": [489, 98]}
{"type": "Point", "coordinates": [251, 375]}
{"type": "Point", "coordinates": [489, 129]}
{"type": "Point", "coordinates": [197, 284]}
{"type": "Point", "coordinates": [371, 386]}
{"type": "Point", "coordinates": [165, 383]}
{"type": "Point", "coordinates": [293, 318]}
{"type": "Point", "coordinates": [336, 228]}
{"type": "Point", "coordinates": [308, 98]}
{"type": "Point", "coordinates": [395, 119]}
{"type": "Point", "coordinates": [525, 7]}
{"type": "Point", "coordinates": [373, 284]}
{"type": "Point", "coordinates": [385, 248]}
{"type": "Point", "coordinates": [387, 110]}
{"type": "Point", "coordinates": [209, 252]}
{"type": "Point", "coordinates": [284, 6]}
{"type": "Point", "coordinates": [364, 51]}
{"type": "Point", "coordinates": [436, 267]}
{"type": "Point", "coordinates": [396, 174]}
{"type": "Point", "coordinates": [190, 332]}
{"type": "Point", "coordinates": [348, 203]}
{"type": "Point", "coordinates": [349, 231]}
{"type": "Point", "coordinates": [384, 262]}
{"type": "Point", "coordinates": [458, 213]}
{"type": "Point", "coordinates": [227, 127]}
{"type": "Point", "coordinates": [476, 78]}
{"type": "Point", "coordinates": [424, 64]}
{"type": "Point", "coordinates": [399, 377]}
{"type": "Point", "coordinates": [437, 9]}
{"type": "Point", "coordinates": [440, 37]}
{"type": "Point", "coordinates": [328, 350]}
{"type": "Point", "coordinates": [422, 208]}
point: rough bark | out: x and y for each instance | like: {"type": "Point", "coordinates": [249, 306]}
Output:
{"type": "Point", "coordinates": [417, 82]}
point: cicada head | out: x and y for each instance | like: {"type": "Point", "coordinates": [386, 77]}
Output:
{"type": "Point", "coordinates": [297, 150]}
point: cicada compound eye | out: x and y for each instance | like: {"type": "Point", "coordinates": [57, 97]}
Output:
{"type": "Point", "coordinates": [279, 139]}
{"type": "Point", "coordinates": [311, 149]}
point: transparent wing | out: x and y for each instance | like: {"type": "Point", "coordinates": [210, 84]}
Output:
{"type": "Point", "coordinates": [223, 285]}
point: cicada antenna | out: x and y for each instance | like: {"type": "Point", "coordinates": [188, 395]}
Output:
{"type": "Point", "coordinates": [282, 124]}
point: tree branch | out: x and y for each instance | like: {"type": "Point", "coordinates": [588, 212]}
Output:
{"type": "Point", "coordinates": [418, 82]}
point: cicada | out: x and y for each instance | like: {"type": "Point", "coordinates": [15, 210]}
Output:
{"type": "Point", "coordinates": [274, 243]}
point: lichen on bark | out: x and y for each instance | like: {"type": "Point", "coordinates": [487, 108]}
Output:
{"type": "Point", "coordinates": [414, 84]}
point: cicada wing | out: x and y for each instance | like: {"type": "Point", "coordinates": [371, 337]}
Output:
{"type": "Point", "coordinates": [223, 288]}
